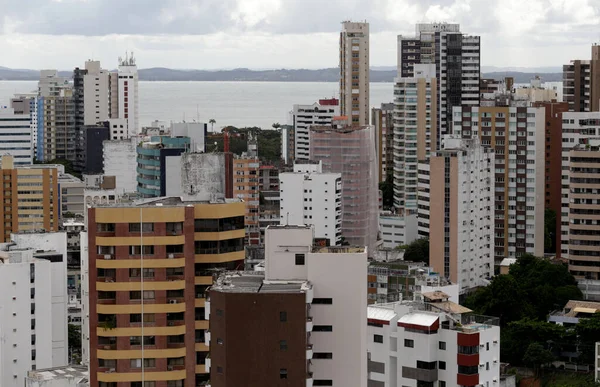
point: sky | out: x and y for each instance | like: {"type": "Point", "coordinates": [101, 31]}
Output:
{"type": "Point", "coordinates": [224, 34]}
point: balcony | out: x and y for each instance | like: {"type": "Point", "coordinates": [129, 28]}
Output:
{"type": "Point", "coordinates": [207, 309]}
{"type": "Point", "coordinates": [309, 324]}
{"type": "Point", "coordinates": [207, 337]}
{"type": "Point", "coordinates": [207, 363]}
{"type": "Point", "coordinates": [309, 379]}
{"type": "Point", "coordinates": [309, 351]}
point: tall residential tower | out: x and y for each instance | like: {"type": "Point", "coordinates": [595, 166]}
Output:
{"type": "Point", "coordinates": [354, 72]}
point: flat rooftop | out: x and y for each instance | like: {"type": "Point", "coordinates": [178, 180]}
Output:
{"type": "Point", "coordinates": [66, 372]}
{"type": "Point", "coordinates": [339, 250]}
{"type": "Point", "coordinates": [254, 282]}
{"type": "Point", "coordinates": [168, 201]}
{"type": "Point", "coordinates": [288, 227]}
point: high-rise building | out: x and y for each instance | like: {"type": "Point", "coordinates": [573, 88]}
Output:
{"type": "Point", "coordinates": [309, 196]}
{"type": "Point", "coordinates": [351, 152]}
{"type": "Point", "coordinates": [51, 84]}
{"type": "Point", "coordinates": [128, 100]}
{"type": "Point", "coordinates": [95, 94]}
{"type": "Point", "coordinates": [246, 187]}
{"type": "Point", "coordinates": [301, 321]}
{"type": "Point", "coordinates": [354, 73]}
{"type": "Point", "coordinates": [200, 176]}
{"type": "Point", "coordinates": [457, 60]}
{"type": "Point", "coordinates": [459, 212]}
{"type": "Point", "coordinates": [147, 266]}
{"type": "Point", "coordinates": [288, 144]}
{"type": "Point", "coordinates": [517, 136]}
{"type": "Point", "coordinates": [302, 117]}
{"type": "Point", "coordinates": [581, 83]}
{"type": "Point", "coordinates": [33, 319]}
{"type": "Point", "coordinates": [383, 120]}
{"type": "Point", "coordinates": [30, 196]}
{"type": "Point", "coordinates": [90, 139]}
{"type": "Point", "coordinates": [432, 343]}
{"type": "Point", "coordinates": [57, 138]}
{"type": "Point", "coordinates": [16, 136]}
{"type": "Point", "coordinates": [152, 160]}
{"type": "Point", "coordinates": [120, 160]}
{"type": "Point", "coordinates": [415, 131]}
{"type": "Point", "coordinates": [27, 105]}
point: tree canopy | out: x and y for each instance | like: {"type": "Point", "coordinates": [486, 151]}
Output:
{"type": "Point", "coordinates": [387, 191]}
{"type": "Point", "coordinates": [416, 251]}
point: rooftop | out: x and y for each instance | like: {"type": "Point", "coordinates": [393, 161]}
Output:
{"type": "Point", "coordinates": [65, 372]}
{"type": "Point", "coordinates": [288, 226]}
{"type": "Point", "coordinates": [574, 308]}
{"type": "Point", "coordinates": [378, 313]}
{"type": "Point", "coordinates": [254, 282]}
{"type": "Point", "coordinates": [339, 250]}
{"type": "Point", "coordinates": [169, 201]}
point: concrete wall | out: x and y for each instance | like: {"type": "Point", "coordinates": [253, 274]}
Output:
{"type": "Point", "coordinates": [281, 246]}
{"type": "Point", "coordinates": [120, 161]}
{"type": "Point", "coordinates": [201, 176]}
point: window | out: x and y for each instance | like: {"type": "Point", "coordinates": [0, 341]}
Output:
{"type": "Point", "coordinates": [219, 370]}
{"type": "Point", "coordinates": [136, 250]}
{"type": "Point", "coordinates": [137, 318]}
{"type": "Point", "coordinates": [442, 383]}
{"type": "Point", "coordinates": [324, 301]}
{"type": "Point", "coordinates": [283, 373]}
{"type": "Point", "coordinates": [299, 259]}
{"type": "Point", "coordinates": [468, 350]}
{"type": "Point", "coordinates": [137, 340]}
{"type": "Point", "coordinates": [283, 316]}
{"type": "Point", "coordinates": [409, 343]}
{"type": "Point", "coordinates": [137, 295]}
{"type": "Point", "coordinates": [105, 227]}
{"type": "Point", "coordinates": [144, 227]}
{"type": "Point", "coordinates": [487, 346]}
{"type": "Point", "coordinates": [322, 328]}
{"type": "Point", "coordinates": [323, 355]}
{"type": "Point", "coordinates": [136, 273]}
{"type": "Point", "coordinates": [442, 365]}
{"type": "Point", "coordinates": [283, 345]}
{"type": "Point", "coordinates": [137, 363]}
{"type": "Point", "coordinates": [219, 341]}
{"type": "Point", "coordinates": [442, 345]}
{"type": "Point", "coordinates": [378, 338]}
{"type": "Point", "coordinates": [323, 382]}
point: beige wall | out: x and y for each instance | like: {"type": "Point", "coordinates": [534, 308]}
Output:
{"type": "Point", "coordinates": [436, 214]}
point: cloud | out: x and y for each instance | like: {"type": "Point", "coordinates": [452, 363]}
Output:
{"type": "Point", "coordinates": [281, 33]}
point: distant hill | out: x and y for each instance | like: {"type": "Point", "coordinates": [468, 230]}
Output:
{"type": "Point", "coordinates": [282, 75]}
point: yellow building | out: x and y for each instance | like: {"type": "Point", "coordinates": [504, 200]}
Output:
{"type": "Point", "coordinates": [30, 197]}
{"type": "Point", "coordinates": [150, 264]}
{"type": "Point", "coordinates": [246, 186]}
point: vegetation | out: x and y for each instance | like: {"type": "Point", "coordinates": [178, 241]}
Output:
{"type": "Point", "coordinates": [212, 123]}
{"type": "Point", "coordinates": [568, 379]}
{"type": "Point", "coordinates": [66, 163]}
{"type": "Point", "coordinates": [550, 231]}
{"type": "Point", "coordinates": [387, 191]}
{"type": "Point", "coordinates": [74, 342]}
{"type": "Point", "coordinates": [268, 141]}
{"type": "Point", "coordinates": [416, 251]}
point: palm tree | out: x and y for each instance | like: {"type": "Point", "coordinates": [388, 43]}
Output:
{"type": "Point", "coordinates": [276, 125]}
{"type": "Point", "coordinates": [212, 123]}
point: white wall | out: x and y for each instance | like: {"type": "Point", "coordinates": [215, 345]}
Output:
{"type": "Point", "coordinates": [85, 300]}
{"type": "Point", "coordinates": [281, 245]}
{"type": "Point", "coordinates": [129, 74]}
{"type": "Point", "coordinates": [95, 94]}
{"type": "Point", "coordinates": [193, 130]}
{"type": "Point", "coordinates": [118, 129]}
{"type": "Point", "coordinates": [397, 230]}
{"type": "Point", "coordinates": [120, 160]}
{"type": "Point", "coordinates": [303, 117]}
{"type": "Point", "coordinates": [17, 136]}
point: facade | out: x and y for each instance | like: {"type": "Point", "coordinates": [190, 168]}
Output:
{"type": "Point", "coordinates": [396, 229]}
{"type": "Point", "coordinates": [34, 313]}
{"type": "Point", "coordinates": [246, 187]}
{"type": "Point", "coordinates": [200, 176]}
{"type": "Point", "coordinates": [67, 376]}
{"type": "Point", "coordinates": [153, 324]}
{"type": "Point", "coordinates": [460, 216]}
{"type": "Point", "coordinates": [415, 132]}
{"type": "Point", "coordinates": [196, 131]}
{"type": "Point", "coordinates": [354, 73]}
{"type": "Point", "coordinates": [457, 60]}
{"type": "Point", "coordinates": [351, 152]}
{"type": "Point", "coordinates": [91, 137]}
{"type": "Point", "coordinates": [302, 117]}
{"type": "Point", "coordinates": [95, 94]}
{"type": "Point", "coordinates": [152, 163]}
{"type": "Point", "coordinates": [120, 161]}
{"type": "Point", "coordinates": [128, 98]}
{"type": "Point", "coordinates": [50, 83]}
{"type": "Point", "coordinates": [382, 120]}
{"type": "Point", "coordinates": [517, 136]}
{"type": "Point", "coordinates": [118, 129]}
{"type": "Point", "coordinates": [71, 194]}
{"type": "Point", "coordinates": [322, 343]}
{"type": "Point", "coordinates": [288, 144]}
{"type": "Point", "coordinates": [16, 137]}
{"type": "Point", "coordinates": [57, 138]}
{"type": "Point", "coordinates": [431, 343]}
{"type": "Point", "coordinates": [309, 196]}
{"type": "Point", "coordinates": [31, 199]}
{"type": "Point", "coordinates": [27, 104]}
{"type": "Point", "coordinates": [581, 83]}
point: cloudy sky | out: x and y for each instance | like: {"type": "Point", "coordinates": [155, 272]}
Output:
{"type": "Point", "coordinates": [211, 34]}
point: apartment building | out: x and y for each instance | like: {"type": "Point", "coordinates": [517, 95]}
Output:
{"type": "Point", "coordinates": [354, 73]}
{"type": "Point", "coordinates": [148, 265]}
{"type": "Point", "coordinates": [246, 187]}
{"type": "Point", "coordinates": [31, 198]}
{"type": "Point", "coordinates": [288, 144]}
{"type": "Point", "coordinates": [119, 159]}
{"type": "Point", "coordinates": [50, 83]}
{"type": "Point", "coordinates": [415, 131]}
{"type": "Point", "coordinates": [581, 83]}
{"type": "Point", "coordinates": [16, 136]}
{"type": "Point", "coordinates": [201, 176]}
{"type": "Point", "coordinates": [33, 319]}
{"type": "Point", "coordinates": [397, 229]}
{"type": "Point", "coordinates": [128, 95]}
{"type": "Point", "coordinates": [435, 343]}
{"type": "Point", "coordinates": [517, 136]}
{"type": "Point", "coordinates": [351, 152]}
{"type": "Point", "coordinates": [302, 117]}
{"type": "Point", "coordinates": [460, 212]}
{"type": "Point", "coordinates": [57, 133]}
{"type": "Point", "coordinates": [311, 197]}
{"type": "Point", "coordinates": [457, 60]}
{"type": "Point", "coordinates": [305, 324]}
{"type": "Point", "coordinates": [383, 121]}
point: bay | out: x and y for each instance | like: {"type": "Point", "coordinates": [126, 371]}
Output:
{"type": "Point", "coordinates": [229, 103]}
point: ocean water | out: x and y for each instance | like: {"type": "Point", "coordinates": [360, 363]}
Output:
{"type": "Point", "coordinates": [229, 103]}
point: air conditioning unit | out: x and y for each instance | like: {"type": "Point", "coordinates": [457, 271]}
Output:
{"type": "Point", "coordinates": [107, 256]}
{"type": "Point", "coordinates": [171, 256]}
{"type": "Point", "coordinates": [171, 323]}
{"type": "Point", "coordinates": [172, 301]}
{"type": "Point", "coordinates": [169, 368]}
{"type": "Point", "coordinates": [111, 370]}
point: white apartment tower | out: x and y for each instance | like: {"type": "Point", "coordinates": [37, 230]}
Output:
{"type": "Point", "coordinates": [16, 136]}
{"type": "Point", "coordinates": [457, 206]}
{"type": "Point", "coordinates": [311, 197]}
{"type": "Point", "coordinates": [95, 93]}
{"type": "Point", "coordinates": [302, 117]}
{"type": "Point", "coordinates": [431, 344]}
{"type": "Point", "coordinates": [354, 72]}
{"type": "Point", "coordinates": [415, 133]}
{"type": "Point", "coordinates": [128, 100]}
{"type": "Point", "coordinates": [457, 60]}
{"type": "Point", "coordinates": [50, 83]}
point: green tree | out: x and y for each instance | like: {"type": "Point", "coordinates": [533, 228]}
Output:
{"type": "Point", "coordinates": [518, 336]}
{"type": "Point", "coordinates": [74, 340]}
{"type": "Point", "coordinates": [387, 191]}
{"type": "Point", "coordinates": [417, 251]}
{"type": "Point", "coordinates": [588, 332]}
{"type": "Point", "coordinates": [536, 356]}
{"type": "Point", "coordinates": [212, 123]}
{"type": "Point", "coordinates": [276, 125]}
{"type": "Point", "coordinates": [549, 231]}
